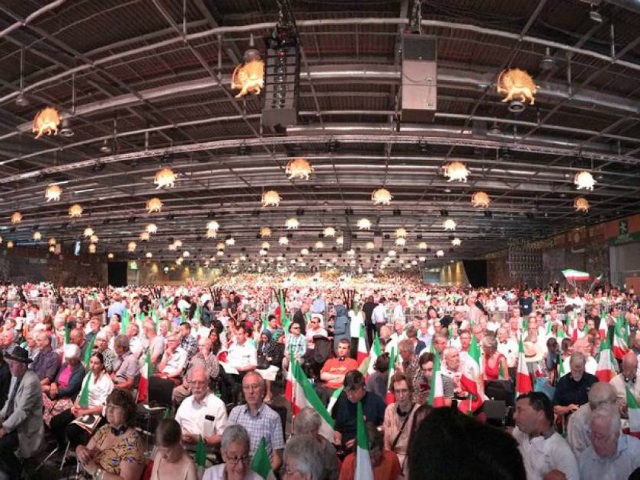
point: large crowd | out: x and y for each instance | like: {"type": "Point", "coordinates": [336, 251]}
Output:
{"type": "Point", "coordinates": [194, 381]}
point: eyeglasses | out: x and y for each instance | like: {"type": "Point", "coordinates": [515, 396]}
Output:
{"type": "Point", "coordinates": [237, 460]}
{"type": "Point", "coordinates": [251, 386]}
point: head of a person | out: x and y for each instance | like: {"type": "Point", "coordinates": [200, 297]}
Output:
{"type": "Point", "coordinates": [577, 362]}
{"type": "Point", "coordinates": [426, 364]}
{"type": "Point", "coordinates": [77, 336]}
{"type": "Point", "coordinates": [439, 342]}
{"type": "Point", "coordinates": [242, 333]}
{"type": "Point", "coordinates": [465, 339]}
{"type": "Point", "coordinates": [629, 366]}
{"type": "Point", "coordinates": [605, 430]}
{"type": "Point", "coordinates": [452, 358]}
{"type": "Point", "coordinates": [552, 345]}
{"type": "Point", "coordinates": [43, 341]}
{"type": "Point", "coordinates": [301, 460]}
{"type": "Point", "coordinates": [294, 329]}
{"type": "Point", "coordinates": [199, 383]}
{"type": "Point", "coordinates": [185, 329]}
{"type": "Point", "coordinates": [132, 330]}
{"type": "Point", "coordinates": [253, 388]}
{"type": "Point", "coordinates": [461, 448]}
{"type": "Point", "coordinates": [121, 344]}
{"type": "Point", "coordinates": [602, 393]}
{"type": "Point", "coordinates": [534, 413]}
{"type": "Point", "coordinates": [96, 363]}
{"type": "Point", "coordinates": [402, 389]}
{"type": "Point", "coordinates": [272, 321]}
{"type": "Point", "coordinates": [489, 345]}
{"type": "Point", "coordinates": [307, 422]}
{"type": "Point", "coordinates": [95, 323]}
{"type": "Point", "coordinates": [382, 363]}
{"type": "Point", "coordinates": [17, 359]}
{"type": "Point", "coordinates": [72, 353]}
{"type": "Point", "coordinates": [342, 349]}
{"type": "Point", "coordinates": [172, 341]}
{"type": "Point", "coordinates": [121, 408]}
{"type": "Point", "coordinates": [234, 447]}
{"type": "Point", "coordinates": [406, 349]}
{"type": "Point", "coordinates": [354, 386]}
{"type": "Point", "coordinates": [168, 436]}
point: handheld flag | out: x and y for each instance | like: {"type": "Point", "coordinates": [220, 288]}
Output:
{"type": "Point", "coordinates": [84, 395]}
{"type": "Point", "coordinates": [471, 380]}
{"type": "Point", "coordinates": [633, 409]}
{"type": "Point", "coordinates": [363, 353]}
{"type": "Point", "coordinates": [364, 471]}
{"type": "Point", "coordinates": [390, 397]}
{"type": "Point", "coordinates": [620, 338]}
{"type": "Point", "coordinates": [145, 375]}
{"type": "Point", "coordinates": [436, 395]}
{"type": "Point", "coordinates": [89, 350]}
{"type": "Point", "coordinates": [523, 378]}
{"type": "Point", "coordinates": [606, 363]}
{"type": "Point", "coordinates": [125, 321]}
{"type": "Point", "coordinates": [261, 464]}
{"type": "Point", "coordinates": [201, 453]}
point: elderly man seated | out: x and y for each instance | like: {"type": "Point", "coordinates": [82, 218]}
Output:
{"type": "Point", "coordinates": [201, 414]}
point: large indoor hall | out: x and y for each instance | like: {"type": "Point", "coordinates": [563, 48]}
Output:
{"type": "Point", "coordinates": [319, 239]}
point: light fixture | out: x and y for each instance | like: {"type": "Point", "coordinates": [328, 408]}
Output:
{"type": "Point", "coordinates": [52, 193]}
{"type": "Point", "coordinates": [283, 241]}
{"type": "Point", "coordinates": [92, 248]}
{"type": "Point", "coordinates": [494, 129]}
{"type": "Point", "coordinates": [351, 252]}
{"type": "Point", "coordinates": [52, 241]}
{"type": "Point", "coordinates": [16, 217]}
{"type": "Point", "coordinates": [370, 246]}
{"type": "Point", "coordinates": [220, 253]}
{"type": "Point", "coordinates": [172, 247]}
{"type": "Point", "coordinates": [329, 232]}
{"type": "Point", "coordinates": [165, 178]}
{"type": "Point", "coordinates": [93, 239]}
{"type": "Point", "coordinates": [422, 259]}
{"type": "Point", "coordinates": [304, 251]}
{"type": "Point", "coordinates": [263, 253]}
{"type": "Point", "coordinates": [144, 236]}
{"type": "Point", "coordinates": [449, 225]}
{"type": "Point", "coordinates": [318, 245]}
{"type": "Point", "coordinates": [391, 253]}
{"type": "Point", "coordinates": [266, 245]}
{"type": "Point", "coordinates": [186, 254]}
{"type": "Point", "coordinates": [88, 232]}
{"type": "Point", "coordinates": [220, 246]}
{"type": "Point", "coordinates": [517, 86]}
{"type": "Point", "coordinates": [46, 122]}
{"type": "Point", "coordinates": [271, 198]}
{"type": "Point", "coordinates": [584, 181]}
{"type": "Point", "coordinates": [265, 232]}
{"type": "Point", "coordinates": [456, 242]}
{"type": "Point", "coordinates": [105, 147]}
{"type": "Point", "coordinates": [456, 171]}
{"type": "Point", "coordinates": [149, 255]}
{"type": "Point", "coordinates": [248, 77]}
{"type": "Point", "coordinates": [581, 204]}
{"type": "Point", "coordinates": [212, 233]}
{"type": "Point", "coordinates": [547, 62]}
{"type": "Point", "coordinates": [110, 256]}
{"type": "Point", "coordinates": [213, 225]}
{"type": "Point", "coordinates": [480, 200]}
{"type": "Point", "coordinates": [178, 243]}
{"type": "Point", "coordinates": [66, 130]}
{"type": "Point", "coordinates": [131, 247]}
{"type": "Point", "coordinates": [440, 253]}
{"type": "Point", "coordinates": [340, 240]}
{"type": "Point", "coordinates": [178, 261]}
{"type": "Point", "coordinates": [230, 241]}
{"type": "Point", "coordinates": [364, 224]}
{"type": "Point", "coordinates": [594, 14]}
{"type": "Point", "coordinates": [298, 168]}
{"type": "Point", "coordinates": [151, 228]}
{"type": "Point", "coordinates": [75, 211]}
{"type": "Point", "coordinates": [292, 223]}
{"type": "Point", "coordinates": [401, 233]}
{"type": "Point", "coordinates": [52, 249]}
{"type": "Point", "coordinates": [37, 236]}
{"type": "Point", "coordinates": [422, 246]}
{"type": "Point", "coordinates": [10, 244]}
{"type": "Point", "coordinates": [401, 242]}
{"type": "Point", "coordinates": [381, 196]}
{"type": "Point", "coordinates": [154, 205]}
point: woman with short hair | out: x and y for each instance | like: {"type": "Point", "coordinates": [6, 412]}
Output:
{"type": "Point", "coordinates": [234, 448]}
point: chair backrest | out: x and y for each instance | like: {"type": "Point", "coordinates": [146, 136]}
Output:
{"type": "Point", "coordinates": [495, 410]}
{"type": "Point", "coordinates": [160, 390]}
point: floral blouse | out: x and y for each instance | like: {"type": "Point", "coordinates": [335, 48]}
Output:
{"type": "Point", "coordinates": [128, 448]}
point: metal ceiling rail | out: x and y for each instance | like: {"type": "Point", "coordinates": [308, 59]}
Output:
{"type": "Point", "coordinates": [322, 22]}
{"type": "Point", "coordinates": [31, 17]}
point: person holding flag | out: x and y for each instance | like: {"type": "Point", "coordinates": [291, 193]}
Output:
{"type": "Point", "coordinates": [625, 383]}
{"type": "Point", "coordinates": [96, 387]}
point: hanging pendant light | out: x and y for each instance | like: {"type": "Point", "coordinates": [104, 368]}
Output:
{"type": "Point", "coordinates": [449, 225]}
{"type": "Point", "coordinates": [37, 236]}
{"type": "Point", "coordinates": [381, 196]}
{"type": "Point", "coordinates": [584, 181]}
{"type": "Point", "coordinates": [131, 247]}
{"type": "Point", "coordinates": [581, 204]}
{"type": "Point", "coordinates": [440, 253]}
{"type": "Point", "coordinates": [298, 168]}
{"type": "Point", "coordinates": [75, 211]}
{"type": "Point", "coordinates": [329, 232]}
{"type": "Point", "coordinates": [292, 223]}
{"type": "Point", "coordinates": [401, 233]}
{"type": "Point", "coordinates": [370, 246]}
{"type": "Point", "coordinates": [248, 77]}
{"type": "Point", "coordinates": [88, 232]}
{"type": "Point", "coordinates": [480, 200]}
{"type": "Point", "coordinates": [52, 241]}
{"type": "Point", "coordinates": [151, 228]}
{"type": "Point", "coordinates": [16, 217]}
{"type": "Point", "coordinates": [144, 236]}
{"type": "Point", "coordinates": [266, 245]}
{"type": "Point", "coordinates": [212, 233]}
{"type": "Point", "coordinates": [165, 178]}
{"type": "Point", "coordinates": [154, 205]}
{"type": "Point", "coordinates": [52, 193]}
{"type": "Point", "coordinates": [456, 242]}
{"type": "Point", "coordinates": [93, 239]}
{"type": "Point", "coordinates": [92, 248]}
{"type": "Point", "coordinates": [364, 224]}
{"type": "Point", "coordinates": [401, 242]}
{"type": "Point", "coordinates": [46, 122]}
{"type": "Point", "coordinates": [283, 241]}
{"type": "Point", "coordinates": [271, 198]}
{"type": "Point", "coordinates": [319, 245]}
{"type": "Point", "coordinates": [265, 232]}
{"type": "Point", "coordinates": [456, 171]}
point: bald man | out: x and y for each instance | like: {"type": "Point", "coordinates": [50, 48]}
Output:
{"type": "Point", "coordinates": [626, 379]}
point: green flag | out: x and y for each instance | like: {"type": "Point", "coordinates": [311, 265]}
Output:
{"type": "Point", "coordinates": [66, 334]}
{"type": "Point", "coordinates": [197, 315]}
{"type": "Point", "coordinates": [84, 395]}
{"type": "Point", "coordinates": [261, 463]}
{"type": "Point", "coordinates": [89, 350]}
{"type": "Point", "coordinates": [201, 453]}
{"type": "Point", "coordinates": [124, 321]}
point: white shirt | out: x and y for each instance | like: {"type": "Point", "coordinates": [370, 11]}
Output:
{"type": "Point", "coordinates": [510, 350]}
{"type": "Point", "coordinates": [191, 416]}
{"type": "Point", "coordinates": [98, 391]}
{"type": "Point", "coordinates": [242, 355]}
{"type": "Point", "coordinates": [379, 314]}
{"type": "Point", "coordinates": [541, 455]}
{"type": "Point", "coordinates": [177, 362]}
{"type": "Point", "coordinates": [619, 466]}
{"type": "Point", "coordinates": [217, 473]}
{"type": "Point", "coordinates": [579, 429]}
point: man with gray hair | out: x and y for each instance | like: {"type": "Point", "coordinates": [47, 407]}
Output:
{"type": "Point", "coordinates": [572, 389]}
{"type": "Point", "coordinates": [578, 427]}
{"type": "Point", "coordinates": [125, 365]}
{"type": "Point", "coordinates": [300, 458]}
{"type": "Point", "coordinates": [612, 455]}
{"type": "Point", "coordinates": [308, 423]}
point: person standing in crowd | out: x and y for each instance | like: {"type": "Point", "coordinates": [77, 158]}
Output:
{"type": "Point", "coordinates": [369, 325]}
{"type": "Point", "coordinates": [399, 417]}
{"type": "Point", "coordinates": [379, 314]}
{"type": "Point", "coordinates": [300, 316]}
{"type": "Point", "coordinates": [21, 417]}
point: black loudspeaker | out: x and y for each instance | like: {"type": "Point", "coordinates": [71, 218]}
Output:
{"type": "Point", "coordinates": [117, 274]}
{"type": "Point", "coordinates": [282, 73]}
{"type": "Point", "coordinates": [419, 76]}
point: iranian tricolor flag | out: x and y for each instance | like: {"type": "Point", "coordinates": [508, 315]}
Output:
{"type": "Point", "coordinates": [471, 380]}
{"type": "Point", "coordinates": [523, 378]}
{"type": "Point", "coordinates": [261, 463]}
{"type": "Point", "coordinates": [390, 397]}
{"type": "Point", "coordinates": [436, 395]}
{"type": "Point", "coordinates": [633, 409]}
{"type": "Point", "coordinates": [363, 353]}
{"type": "Point", "coordinates": [145, 375]}
{"type": "Point", "coordinates": [606, 363]}
{"type": "Point", "coordinates": [301, 394]}
{"type": "Point", "coordinates": [374, 353]}
{"type": "Point", "coordinates": [334, 398]}
{"type": "Point", "coordinates": [602, 328]}
{"type": "Point", "coordinates": [364, 471]}
{"type": "Point", "coordinates": [620, 338]}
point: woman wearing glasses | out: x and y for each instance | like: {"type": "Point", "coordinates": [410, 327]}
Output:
{"type": "Point", "coordinates": [235, 453]}
{"type": "Point", "coordinates": [116, 450]}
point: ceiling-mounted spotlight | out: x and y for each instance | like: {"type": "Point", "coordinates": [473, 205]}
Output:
{"type": "Point", "coordinates": [595, 14]}
{"type": "Point", "coordinates": [105, 147]}
{"type": "Point", "coordinates": [65, 128]}
{"type": "Point", "coordinates": [548, 62]}
{"type": "Point", "coordinates": [495, 129]}
{"type": "Point", "coordinates": [21, 100]}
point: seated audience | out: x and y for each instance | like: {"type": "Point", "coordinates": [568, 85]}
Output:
{"type": "Point", "coordinates": [125, 365]}
{"type": "Point", "coordinates": [235, 450]}
{"type": "Point", "coordinates": [301, 461]}
{"type": "Point", "coordinates": [384, 463]}
{"type": "Point", "coordinates": [171, 460]}
{"type": "Point", "coordinates": [59, 396]}
{"type": "Point", "coordinates": [308, 423]}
